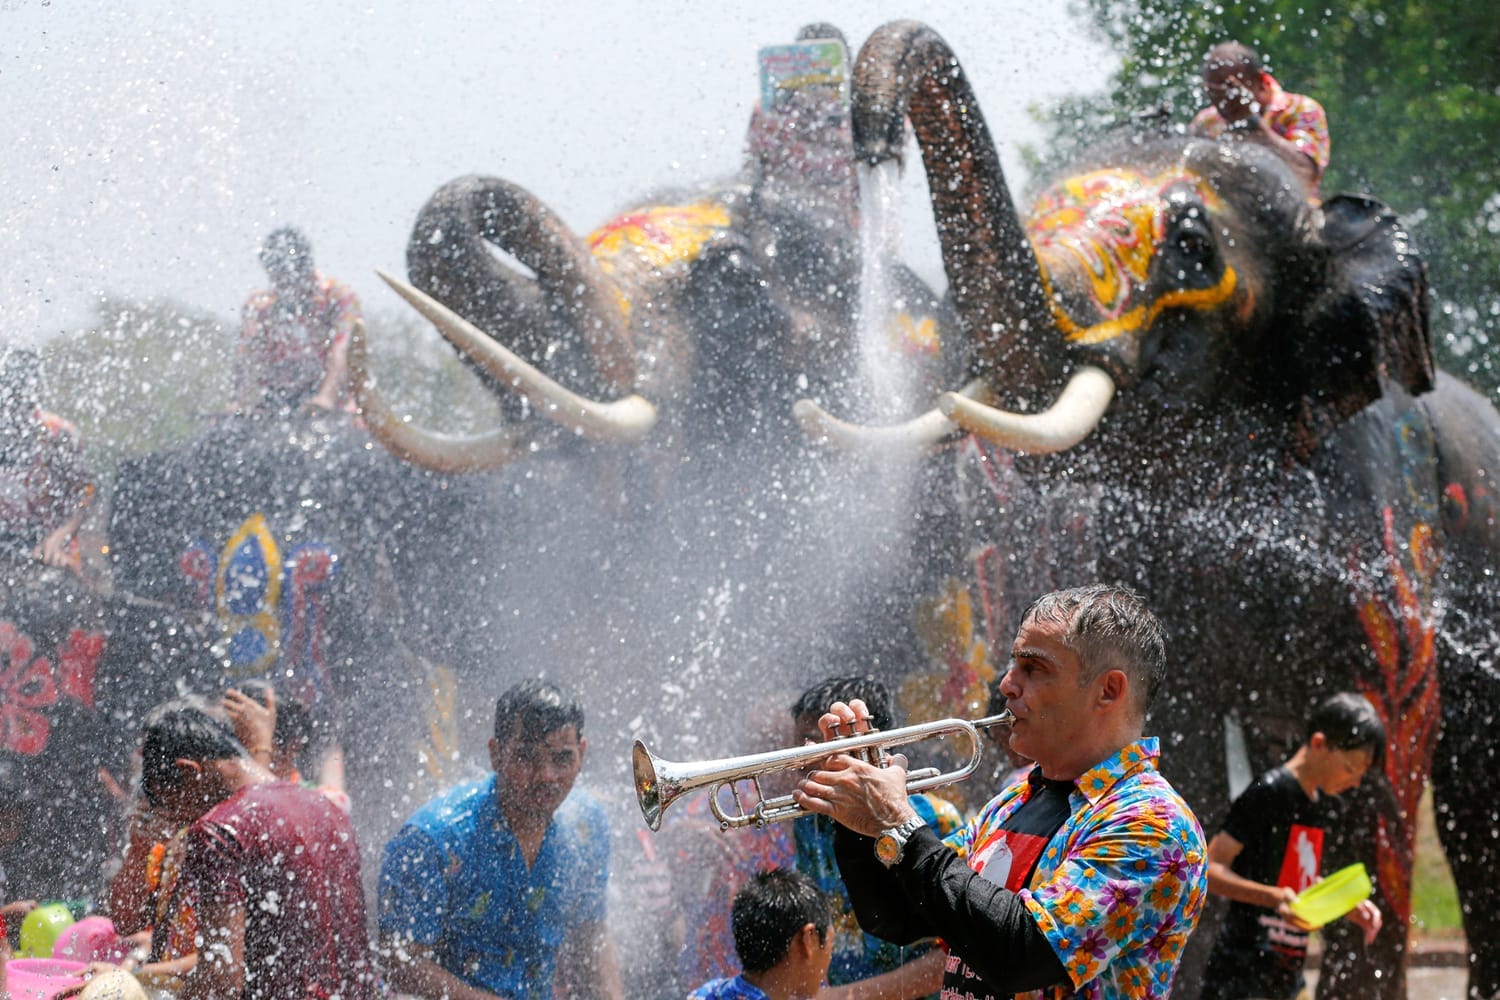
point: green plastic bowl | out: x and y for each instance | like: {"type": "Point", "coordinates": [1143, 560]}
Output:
{"type": "Point", "coordinates": [1333, 896]}
{"type": "Point", "coordinates": [41, 928]}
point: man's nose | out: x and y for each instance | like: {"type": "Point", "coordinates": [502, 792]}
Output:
{"type": "Point", "coordinates": [1009, 686]}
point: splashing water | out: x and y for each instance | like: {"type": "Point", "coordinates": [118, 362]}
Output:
{"type": "Point", "coordinates": [885, 377]}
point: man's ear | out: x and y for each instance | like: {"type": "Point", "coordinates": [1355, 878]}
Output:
{"type": "Point", "coordinates": [808, 942]}
{"type": "Point", "coordinates": [1114, 687]}
{"type": "Point", "coordinates": [188, 770]}
{"type": "Point", "coordinates": [583, 748]}
{"type": "Point", "coordinates": [1317, 741]}
{"type": "Point", "coordinates": [494, 746]}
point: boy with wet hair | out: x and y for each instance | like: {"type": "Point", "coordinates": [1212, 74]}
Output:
{"type": "Point", "coordinates": [782, 934]}
{"type": "Point", "coordinates": [1271, 848]}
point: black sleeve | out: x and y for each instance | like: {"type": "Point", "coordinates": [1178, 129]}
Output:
{"type": "Point", "coordinates": [932, 891]}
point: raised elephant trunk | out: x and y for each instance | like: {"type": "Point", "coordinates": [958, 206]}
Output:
{"type": "Point", "coordinates": [905, 71]}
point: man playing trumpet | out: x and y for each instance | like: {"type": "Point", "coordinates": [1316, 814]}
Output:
{"type": "Point", "coordinates": [1089, 872]}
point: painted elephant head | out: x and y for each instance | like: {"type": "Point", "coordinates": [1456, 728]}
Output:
{"type": "Point", "coordinates": [1159, 273]}
{"type": "Point", "coordinates": [712, 308]}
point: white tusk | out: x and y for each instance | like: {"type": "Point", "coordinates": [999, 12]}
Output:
{"type": "Point", "coordinates": [446, 453]}
{"type": "Point", "coordinates": [904, 441]}
{"type": "Point", "coordinates": [624, 420]}
{"type": "Point", "coordinates": [1072, 418]}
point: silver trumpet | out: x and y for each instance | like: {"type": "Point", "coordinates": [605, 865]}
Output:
{"type": "Point", "coordinates": [659, 783]}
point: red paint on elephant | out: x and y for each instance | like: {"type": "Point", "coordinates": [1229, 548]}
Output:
{"type": "Point", "coordinates": [1394, 600]}
{"type": "Point", "coordinates": [26, 687]}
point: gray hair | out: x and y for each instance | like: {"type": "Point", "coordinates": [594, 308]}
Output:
{"type": "Point", "coordinates": [1110, 628]}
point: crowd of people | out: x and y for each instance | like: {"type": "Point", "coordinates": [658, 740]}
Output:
{"type": "Point", "coordinates": [1085, 874]}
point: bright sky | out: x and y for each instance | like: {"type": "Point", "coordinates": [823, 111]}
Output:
{"type": "Point", "coordinates": [149, 146]}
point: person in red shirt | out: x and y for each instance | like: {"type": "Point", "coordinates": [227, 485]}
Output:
{"type": "Point", "coordinates": [272, 868]}
{"type": "Point", "coordinates": [1246, 102]}
{"type": "Point", "coordinates": [294, 336]}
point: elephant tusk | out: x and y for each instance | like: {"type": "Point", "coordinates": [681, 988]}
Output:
{"type": "Point", "coordinates": [904, 441]}
{"type": "Point", "coordinates": [1072, 418]}
{"type": "Point", "coordinates": [444, 453]}
{"type": "Point", "coordinates": [624, 420]}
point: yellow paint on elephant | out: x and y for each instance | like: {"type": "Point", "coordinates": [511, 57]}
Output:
{"type": "Point", "coordinates": [662, 234]}
{"type": "Point", "coordinates": [945, 625]}
{"type": "Point", "coordinates": [911, 337]}
{"type": "Point", "coordinates": [1108, 225]}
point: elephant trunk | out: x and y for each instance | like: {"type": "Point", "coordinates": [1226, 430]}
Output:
{"type": "Point", "coordinates": [450, 256]}
{"type": "Point", "coordinates": [905, 71]}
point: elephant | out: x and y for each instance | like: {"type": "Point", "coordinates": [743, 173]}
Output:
{"type": "Point", "coordinates": [646, 374]}
{"type": "Point", "coordinates": [1190, 379]}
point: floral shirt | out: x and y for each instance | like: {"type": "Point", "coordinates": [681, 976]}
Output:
{"type": "Point", "coordinates": [1119, 887]}
{"type": "Point", "coordinates": [284, 346]}
{"type": "Point", "coordinates": [1295, 117]}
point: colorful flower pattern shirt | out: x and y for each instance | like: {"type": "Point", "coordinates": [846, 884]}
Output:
{"type": "Point", "coordinates": [1297, 118]}
{"type": "Point", "coordinates": [1120, 886]}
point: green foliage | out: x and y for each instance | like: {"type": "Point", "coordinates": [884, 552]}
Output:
{"type": "Point", "coordinates": [149, 375]}
{"type": "Point", "coordinates": [144, 375]}
{"type": "Point", "coordinates": [1412, 91]}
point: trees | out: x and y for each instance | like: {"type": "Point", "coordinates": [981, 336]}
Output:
{"type": "Point", "coordinates": [1412, 91]}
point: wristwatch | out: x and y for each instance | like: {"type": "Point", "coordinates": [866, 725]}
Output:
{"type": "Point", "coordinates": [891, 844]}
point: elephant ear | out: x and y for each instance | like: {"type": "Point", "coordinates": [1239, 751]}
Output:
{"type": "Point", "coordinates": [1368, 326]}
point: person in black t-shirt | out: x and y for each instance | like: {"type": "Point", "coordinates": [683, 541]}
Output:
{"type": "Point", "coordinates": [1271, 848]}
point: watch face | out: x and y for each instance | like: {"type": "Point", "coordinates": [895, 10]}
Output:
{"type": "Point", "coordinates": [887, 849]}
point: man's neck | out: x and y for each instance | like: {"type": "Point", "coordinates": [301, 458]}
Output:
{"type": "Point", "coordinates": [529, 827]}
{"type": "Point", "coordinates": [1091, 753]}
{"type": "Point", "coordinates": [1297, 764]}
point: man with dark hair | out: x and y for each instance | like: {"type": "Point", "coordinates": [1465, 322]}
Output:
{"type": "Point", "coordinates": [879, 967]}
{"type": "Point", "coordinates": [782, 935]}
{"type": "Point", "coordinates": [1087, 875]}
{"type": "Point", "coordinates": [1246, 102]}
{"type": "Point", "coordinates": [494, 886]}
{"type": "Point", "coordinates": [294, 336]}
{"type": "Point", "coordinates": [272, 868]}
{"type": "Point", "coordinates": [1271, 848]}
{"type": "Point", "coordinates": [45, 487]}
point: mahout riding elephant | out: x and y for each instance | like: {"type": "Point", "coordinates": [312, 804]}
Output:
{"type": "Point", "coordinates": [1190, 379]}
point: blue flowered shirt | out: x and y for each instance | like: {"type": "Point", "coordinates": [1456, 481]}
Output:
{"type": "Point", "coordinates": [727, 989]}
{"type": "Point", "coordinates": [455, 879]}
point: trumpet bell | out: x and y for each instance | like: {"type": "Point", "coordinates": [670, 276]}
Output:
{"type": "Point", "coordinates": [648, 789]}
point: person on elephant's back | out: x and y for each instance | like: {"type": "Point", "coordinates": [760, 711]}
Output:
{"type": "Point", "coordinates": [1246, 102]}
{"type": "Point", "coordinates": [294, 336]}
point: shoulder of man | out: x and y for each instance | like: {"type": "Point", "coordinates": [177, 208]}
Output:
{"type": "Point", "coordinates": [454, 809]}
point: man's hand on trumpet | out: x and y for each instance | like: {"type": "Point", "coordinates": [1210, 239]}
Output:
{"type": "Point", "coordinates": [863, 797]}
